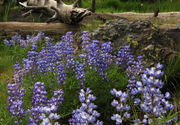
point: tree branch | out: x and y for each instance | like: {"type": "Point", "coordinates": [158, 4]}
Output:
{"type": "Point", "coordinates": [75, 4]}
{"type": "Point", "coordinates": [27, 13]}
{"type": "Point", "coordinates": [54, 17]}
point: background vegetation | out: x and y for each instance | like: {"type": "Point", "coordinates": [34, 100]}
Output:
{"type": "Point", "coordinates": [142, 6]}
{"type": "Point", "coordinates": [133, 5]}
{"type": "Point", "coordinates": [11, 55]}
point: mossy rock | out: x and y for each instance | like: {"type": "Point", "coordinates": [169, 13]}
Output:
{"type": "Point", "coordinates": [145, 39]}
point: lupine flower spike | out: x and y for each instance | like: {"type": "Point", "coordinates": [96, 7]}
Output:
{"type": "Point", "coordinates": [86, 114]}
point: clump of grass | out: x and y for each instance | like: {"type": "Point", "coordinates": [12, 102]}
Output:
{"type": "Point", "coordinates": [172, 73]}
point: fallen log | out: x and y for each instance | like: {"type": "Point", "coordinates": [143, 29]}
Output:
{"type": "Point", "coordinates": [57, 10]}
{"type": "Point", "coordinates": [30, 28]}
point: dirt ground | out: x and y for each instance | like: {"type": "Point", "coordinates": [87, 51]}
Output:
{"type": "Point", "coordinates": [166, 20]}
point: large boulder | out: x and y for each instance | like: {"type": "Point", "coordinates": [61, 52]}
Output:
{"type": "Point", "coordinates": [145, 39]}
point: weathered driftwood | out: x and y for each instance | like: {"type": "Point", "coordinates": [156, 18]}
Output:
{"type": "Point", "coordinates": [29, 28]}
{"type": "Point", "coordinates": [57, 9]}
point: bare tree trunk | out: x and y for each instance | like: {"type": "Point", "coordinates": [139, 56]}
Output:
{"type": "Point", "coordinates": [93, 6]}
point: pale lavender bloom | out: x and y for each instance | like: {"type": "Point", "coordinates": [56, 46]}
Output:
{"type": "Point", "coordinates": [27, 65]}
{"type": "Point", "coordinates": [127, 115]}
{"type": "Point", "coordinates": [137, 101]}
{"type": "Point", "coordinates": [23, 43]}
{"type": "Point", "coordinates": [154, 103]}
{"type": "Point", "coordinates": [167, 95]}
{"type": "Point", "coordinates": [9, 43]}
{"type": "Point", "coordinates": [43, 109]}
{"type": "Point", "coordinates": [117, 118]}
{"type": "Point", "coordinates": [120, 105]}
{"type": "Point", "coordinates": [86, 114]}
{"type": "Point", "coordinates": [14, 40]}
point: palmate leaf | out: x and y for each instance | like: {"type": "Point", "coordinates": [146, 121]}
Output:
{"type": "Point", "coordinates": [164, 118]}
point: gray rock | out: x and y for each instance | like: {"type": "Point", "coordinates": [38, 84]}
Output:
{"type": "Point", "coordinates": [145, 39]}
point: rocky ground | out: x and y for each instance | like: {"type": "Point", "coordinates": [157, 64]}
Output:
{"type": "Point", "coordinates": [165, 20]}
{"type": "Point", "coordinates": [161, 34]}
{"type": "Point", "coordinates": [145, 39]}
{"type": "Point", "coordinates": [148, 35]}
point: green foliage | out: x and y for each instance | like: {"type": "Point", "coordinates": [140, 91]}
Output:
{"type": "Point", "coordinates": [133, 5]}
{"type": "Point", "coordinates": [10, 55]}
{"type": "Point", "coordinates": [6, 12]}
{"type": "Point", "coordinates": [173, 67]}
{"type": "Point", "coordinates": [172, 73]}
{"type": "Point", "coordinates": [168, 117]}
{"type": "Point", "coordinates": [101, 89]}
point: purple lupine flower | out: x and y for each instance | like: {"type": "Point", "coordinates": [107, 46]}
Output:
{"type": "Point", "coordinates": [56, 99]}
{"type": "Point", "coordinates": [64, 50]}
{"type": "Point", "coordinates": [17, 68]}
{"type": "Point", "coordinates": [120, 106]}
{"type": "Point", "coordinates": [105, 59]}
{"type": "Point", "coordinates": [86, 114]}
{"type": "Point", "coordinates": [35, 39]}
{"type": "Point", "coordinates": [152, 101]}
{"type": "Point", "coordinates": [171, 121]}
{"type": "Point", "coordinates": [99, 58]}
{"type": "Point", "coordinates": [42, 108]}
{"type": "Point", "coordinates": [61, 73]}
{"type": "Point", "coordinates": [47, 119]}
{"type": "Point", "coordinates": [167, 95]}
{"type": "Point", "coordinates": [39, 100]}
{"type": "Point", "coordinates": [70, 57]}
{"type": "Point", "coordinates": [27, 65]}
{"type": "Point", "coordinates": [16, 92]}
{"type": "Point", "coordinates": [69, 52]}
{"type": "Point", "coordinates": [9, 43]}
{"type": "Point", "coordinates": [134, 67]}
{"type": "Point", "coordinates": [32, 55]}
{"type": "Point", "coordinates": [14, 40]}
{"type": "Point", "coordinates": [92, 53]}
{"type": "Point", "coordinates": [39, 97]}
{"type": "Point", "coordinates": [41, 66]}
{"type": "Point", "coordinates": [137, 101]}
{"type": "Point", "coordinates": [80, 73]}
{"type": "Point", "coordinates": [127, 115]}
{"type": "Point", "coordinates": [15, 99]}
{"type": "Point", "coordinates": [123, 56]}
{"type": "Point", "coordinates": [23, 43]}
{"type": "Point", "coordinates": [49, 41]}
{"type": "Point", "coordinates": [86, 38]}
{"type": "Point", "coordinates": [34, 47]}
{"type": "Point", "coordinates": [117, 118]}
{"type": "Point", "coordinates": [48, 112]}
{"type": "Point", "coordinates": [47, 60]}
